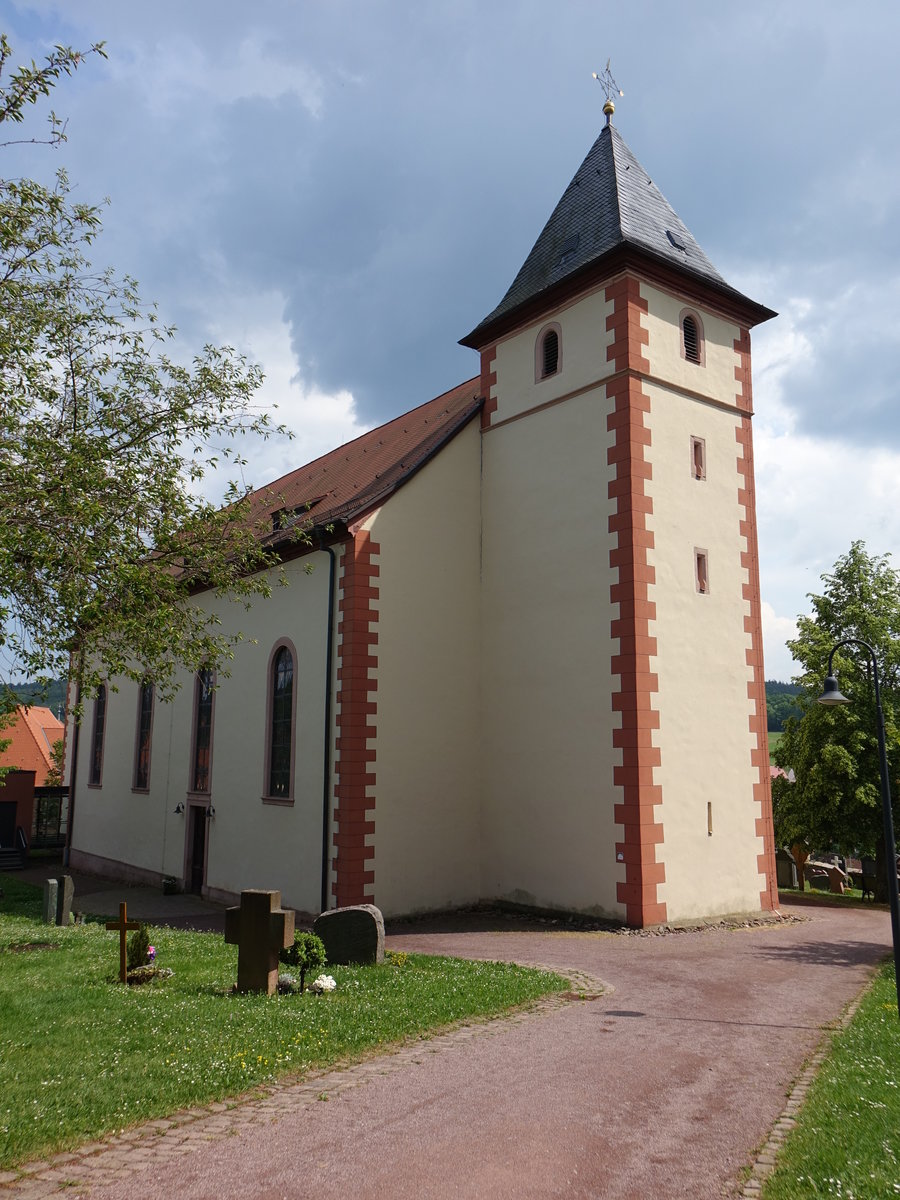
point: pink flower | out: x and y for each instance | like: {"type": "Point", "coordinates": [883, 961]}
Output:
{"type": "Point", "coordinates": [151, 953]}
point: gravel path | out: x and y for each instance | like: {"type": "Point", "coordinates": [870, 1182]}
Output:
{"type": "Point", "coordinates": [665, 1086]}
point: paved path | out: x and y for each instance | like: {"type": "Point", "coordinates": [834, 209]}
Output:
{"type": "Point", "coordinates": [665, 1087]}
{"type": "Point", "coordinates": [101, 898]}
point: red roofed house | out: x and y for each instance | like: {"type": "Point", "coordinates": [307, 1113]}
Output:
{"type": "Point", "coordinates": [30, 734]}
{"type": "Point", "coordinates": [527, 665]}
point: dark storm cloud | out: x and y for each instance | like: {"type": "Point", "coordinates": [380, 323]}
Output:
{"type": "Point", "coordinates": [386, 167]}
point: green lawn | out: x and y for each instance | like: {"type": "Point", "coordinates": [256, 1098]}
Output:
{"type": "Point", "coordinates": [847, 1141]}
{"type": "Point", "coordinates": [852, 896]}
{"type": "Point", "coordinates": [81, 1054]}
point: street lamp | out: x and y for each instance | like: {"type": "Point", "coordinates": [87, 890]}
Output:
{"type": "Point", "coordinates": [832, 696]}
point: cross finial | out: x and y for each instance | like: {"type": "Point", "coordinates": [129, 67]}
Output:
{"type": "Point", "coordinates": [610, 87]}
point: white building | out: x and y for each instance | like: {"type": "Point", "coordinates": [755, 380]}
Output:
{"type": "Point", "coordinates": [527, 665]}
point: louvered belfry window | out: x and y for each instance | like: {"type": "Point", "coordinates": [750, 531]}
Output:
{"type": "Point", "coordinates": [550, 353]}
{"type": "Point", "coordinates": [691, 335]}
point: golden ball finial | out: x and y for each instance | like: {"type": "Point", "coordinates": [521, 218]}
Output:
{"type": "Point", "coordinates": [609, 108]}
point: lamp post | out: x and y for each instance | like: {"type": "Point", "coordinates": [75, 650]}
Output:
{"type": "Point", "coordinates": [832, 696]}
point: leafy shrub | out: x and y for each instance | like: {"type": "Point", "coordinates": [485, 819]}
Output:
{"type": "Point", "coordinates": [138, 945]}
{"type": "Point", "coordinates": [306, 954]}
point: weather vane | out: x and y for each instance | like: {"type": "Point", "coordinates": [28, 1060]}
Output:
{"type": "Point", "coordinates": [610, 87]}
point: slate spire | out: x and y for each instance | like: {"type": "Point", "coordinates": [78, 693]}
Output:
{"type": "Point", "coordinates": [611, 206]}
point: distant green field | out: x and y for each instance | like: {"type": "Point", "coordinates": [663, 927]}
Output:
{"type": "Point", "coordinates": [774, 739]}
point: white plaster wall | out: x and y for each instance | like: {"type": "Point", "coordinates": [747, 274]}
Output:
{"type": "Point", "coordinates": [113, 821]}
{"type": "Point", "coordinates": [547, 766]}
{"type": "Point", "coordinates": [427, 839]}
{"type": "Point", "coordinates": [250, 844]}
{"type": "Point", "coordinates": [583, 343]}
{"type": "Point", "coordinates": [704, 735]}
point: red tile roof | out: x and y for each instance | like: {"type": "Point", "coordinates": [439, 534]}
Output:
{"type": "Point", "coordinates": [356, 477]}
{"type": "Point", "coordinates": [31, 733]}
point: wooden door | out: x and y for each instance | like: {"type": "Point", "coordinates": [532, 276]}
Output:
{"type": "Point", "coordinates": [198, 849]}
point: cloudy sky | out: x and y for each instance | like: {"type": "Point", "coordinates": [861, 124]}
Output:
{"type": "Point", "coordinates": [343, 189]}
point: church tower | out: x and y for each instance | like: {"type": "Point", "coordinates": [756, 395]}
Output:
{"type": "Point", "coordinates": [624, 762]}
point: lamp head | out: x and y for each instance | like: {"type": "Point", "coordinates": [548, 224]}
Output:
{"type": "Point", "coordinates": [832, 694]}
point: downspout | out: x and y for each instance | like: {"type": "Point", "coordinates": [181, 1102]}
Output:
{"type": "Point", "coordinates": [326, 755]}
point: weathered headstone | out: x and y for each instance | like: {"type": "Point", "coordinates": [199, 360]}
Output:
{"type": "Point", "coordinates": [260, 928]}
{"type": "Point", "coordinates": [785, 869]}
{"type": "Point", "coordinates": [123, 925]}
{"type": "Point", "coordinates": [352, 935]}
{"type": "Point", "coordinates": [51, 892]}
{"type": "Point", "coordinates": [64, 897]}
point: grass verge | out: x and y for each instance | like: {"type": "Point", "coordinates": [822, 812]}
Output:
{"type": "Point", "coordinates": [847, 1140]}
{"type": "Point", "coordinates": [81, 1055]}
{"type": "Point", "coordinates": [851, 897]}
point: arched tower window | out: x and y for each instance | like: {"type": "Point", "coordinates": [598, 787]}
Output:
{"type": "Point", "coordinates": [692, 347]}
{"type": "Point", "coordinates": [95, 771]}
{"type": "Point", "coordinates": [280, 722]}
{"type": "Point", "coordinates": [548, 352]}
{"type": "Point", "coordinates": [143, 739]}
{"type": "Point", "coordinates": [201, 759]}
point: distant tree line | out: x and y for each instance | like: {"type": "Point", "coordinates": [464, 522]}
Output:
{"type": "Point", "coordinates": [781, 703]}
{"type": "Point", "coordinates": [51, 695]}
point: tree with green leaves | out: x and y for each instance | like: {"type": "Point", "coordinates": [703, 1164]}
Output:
{"type": "Point", "coordinates": [835, 801]}
{"type": "Point", "coordinates": [105, 437]}
{"type": "Point", "coordinates": [780, 704]}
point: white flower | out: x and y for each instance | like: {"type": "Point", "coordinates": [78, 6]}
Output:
{"type": "Point", "coordinates": [324, 983]}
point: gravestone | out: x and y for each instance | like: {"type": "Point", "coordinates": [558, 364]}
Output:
{"type": "Point", "coordinates": [352, 935]}
{"type": "Point", "coordinates": [51, 892]}
{"type": "Point", "coordinates": [785, 869]}
{"type": "Point", "coordinates": [64, 897]}
{"type": "Point", "coordinates": [261, 929]}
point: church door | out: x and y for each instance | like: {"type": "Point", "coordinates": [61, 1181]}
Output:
{"type": "Point", "coordinates": [198, 848]}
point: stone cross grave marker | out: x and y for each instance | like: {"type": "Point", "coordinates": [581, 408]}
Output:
{"type": "Point", "coordinates": [123, 925]}
{"type": "Point", "coordinates": [260, 928]}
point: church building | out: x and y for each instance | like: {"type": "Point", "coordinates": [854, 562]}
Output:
{"type": "Point", "coordinates": [526, 666]}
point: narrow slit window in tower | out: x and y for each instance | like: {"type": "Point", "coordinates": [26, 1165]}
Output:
{"type": "Point", "coordinates": [701, 569]}
{"type": "Point", "coordinates": [698, 458]}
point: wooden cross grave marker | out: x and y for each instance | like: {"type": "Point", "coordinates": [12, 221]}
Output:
{"type": "Point", "coordinates": [261, 928]}
{"type": "Point", "coordinates": [123, 925]}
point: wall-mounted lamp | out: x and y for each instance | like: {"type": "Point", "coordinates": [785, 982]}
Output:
{"type": "Point", "coordinates": [210, 812]}
{"type": "Point", "coordinates": [179, 809]}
